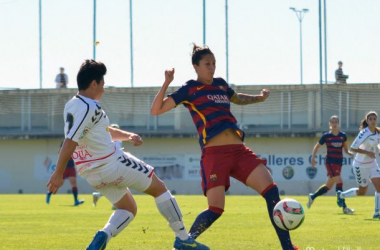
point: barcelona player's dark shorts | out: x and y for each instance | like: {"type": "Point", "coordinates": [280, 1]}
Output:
{"type": "Point", "coordinates": [70, 170]}
{"type": "Point", "coordinates": [218, 163]}
{"type": "Point", "coordinates": [333, 169]}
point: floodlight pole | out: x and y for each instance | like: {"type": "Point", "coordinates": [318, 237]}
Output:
{"type": "Point", "coordinates": [94, 33]}
{"type": "Point", "coordinates": [227, 65]}
{"type": "Point", "coordinates": [300, 15]}
{"type": "Point", "coordinates": [131, 41]}
{"type": "Point", "coordinates": [204, 22]}
{"type": "Point", "coordinates": [40, 40]}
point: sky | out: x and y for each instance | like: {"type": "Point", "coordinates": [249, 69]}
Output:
{"type": "Point", "coordinates": [264, 40]}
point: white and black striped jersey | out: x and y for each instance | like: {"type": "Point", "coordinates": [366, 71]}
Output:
{"type": "Point", "coordinates": [368, 141]}
{"type": "Point", "coordinates": [87, 124]}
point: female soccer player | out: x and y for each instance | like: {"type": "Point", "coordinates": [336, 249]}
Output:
{"type": "Point", "coordinates": [335, 141]}
{"type": "Point", "coordinates": [366, 146]}
{"type": "Point", "coordinates": [223, 151]}
{"type": "Point", "coordinates": [91, 141]}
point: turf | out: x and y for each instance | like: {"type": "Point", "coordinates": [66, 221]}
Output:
{"type": "Point", "coordinates": [27, 222]}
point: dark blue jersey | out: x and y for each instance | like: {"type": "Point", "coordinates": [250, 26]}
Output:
{"type": "Point", "coordinates": [209, 106]}
{"type": "Point", "coordinates": [334, 144]}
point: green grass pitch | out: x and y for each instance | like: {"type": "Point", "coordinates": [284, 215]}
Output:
{"type": "Point", "coordinates": [27, 222]}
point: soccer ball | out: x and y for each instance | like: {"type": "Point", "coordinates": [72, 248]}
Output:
{"type": "Point", "coordinates": [288, 214]}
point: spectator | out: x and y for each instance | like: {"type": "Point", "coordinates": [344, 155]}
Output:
{"type": "Point", "coordinates": [61, 79]}
{"type": "Point", "coordinates": [339, 76]}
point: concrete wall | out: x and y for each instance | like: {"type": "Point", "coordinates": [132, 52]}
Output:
{"type": "Point", "coordinates": [26, 164]}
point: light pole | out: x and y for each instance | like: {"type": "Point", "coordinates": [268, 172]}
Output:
{"type": "Point", "coordinates": [300, 15]}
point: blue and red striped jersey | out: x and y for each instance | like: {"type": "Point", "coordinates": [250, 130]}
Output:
{"type": "Point", "coordinates": [334, 144]}
{"type": "Point", "coordinates": [209, 106]}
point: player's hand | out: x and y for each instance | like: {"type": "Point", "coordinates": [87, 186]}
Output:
{"type": "Point", "coordinates": [264, 94]}
{"type": "Point", "coordinates": [136, 139]}
{"type": "Point", "coordinates": [371, 154]}
{"type": "Point", "coordinates": [313, 163]}
{"type": "Point", "coordinates": [55, 182]}
{"type": "Point", "coordinates": [169, 75]}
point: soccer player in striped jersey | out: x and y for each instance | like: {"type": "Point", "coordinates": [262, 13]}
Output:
{"type": "Point", "coordinates": [336, 142]}
{"type": "Point", "coordinates": [221, 140]}
{"type": "Point", "coordinates": [366, 146]}
{"type": "Point", "coordinates": [90, 140]}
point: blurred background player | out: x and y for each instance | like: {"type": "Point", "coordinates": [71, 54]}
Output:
{"type": "Point", "coordinates": [366, 146]}
{"type": "Point", "coordinates": [61, 80]}
{"type": "Point", "coordinates": [223, 151]}
{"type": "Point", "coordinates": [96, 195]}
{"type": "Point", "coordinates": [335, 141]}
{"type": "Point", "coordinates": [71, 174]}
{"type": "Point", "coordinates": [109, 170]}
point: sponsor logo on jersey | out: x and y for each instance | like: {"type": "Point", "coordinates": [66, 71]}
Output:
{"type": "Point", "coordinates": [288, 172]}
{"type": "Point", "coordinates": [201, 87]}
{"type": "Point", "coordinates": [336, 144]}
{"type": "Point", "coordinates": [311, 172]}
{"type": "Point", "coordinates": [218, 98]}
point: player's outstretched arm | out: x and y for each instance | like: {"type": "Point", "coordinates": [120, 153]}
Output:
{"type": "Point", "coordinates": [162, 104]}
{"type": "Point", "coordinates": [244, 99]}
{"type": "Point", "coordinates": [345, 147]}
{"type": "Point", "coordinates": [56, 179]}
{"type": "Point", "coordinates": [315, 150]}
{"type": "Point", "coordinates": [121, 135]}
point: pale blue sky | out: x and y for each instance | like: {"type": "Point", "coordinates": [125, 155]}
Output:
{"type": "Point", "coordinates": [263, 44]}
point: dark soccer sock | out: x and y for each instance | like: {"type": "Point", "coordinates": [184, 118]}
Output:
{"type": "Point", "coordinates": [204, 221]}
{"type": "Point", "coordinates": [321, 191]}
{"type": "Point", "coordinates": [75, 193]}
{"type": "Point", "coordinates": [339, 187]}
{"type": "Point", "coordinates": [271, 196]}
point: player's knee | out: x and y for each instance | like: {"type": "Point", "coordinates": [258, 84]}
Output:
{"type": "Point", "coordinates": [361, 192]}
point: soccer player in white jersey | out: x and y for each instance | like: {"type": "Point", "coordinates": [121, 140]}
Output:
{"type": "Point", "coordinates": [366, 146]}
{"type": "Point", "coordinates": [90, 140]}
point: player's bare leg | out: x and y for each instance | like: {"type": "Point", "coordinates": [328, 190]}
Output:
{"type": "Point", "coordinates": [261, 180]}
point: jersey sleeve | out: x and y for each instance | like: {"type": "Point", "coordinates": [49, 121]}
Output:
{"type": "Point", "coordinates": [230, 91]}
{"type": "Point", "coordinates": [344, 137]}
{"type": "Point", "coordinates": [359, 139]}
{"type": "Point", "coordinates": [78, 120]}
{"type": "Point", "coordinates": [180, 94]}
{"type": "Point", "coordinates": [323, 139]}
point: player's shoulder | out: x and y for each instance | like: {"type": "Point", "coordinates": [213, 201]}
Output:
{"type": "Point", "coordinates": [81, 103]}
{"type": "Point", "coordinates": [220, 81]}
{"type": "Point", "coordinates": [341, 133]}
{"type": "Point", "coordinates": [364, 132]}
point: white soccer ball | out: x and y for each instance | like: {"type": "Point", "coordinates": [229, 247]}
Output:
{"type": "Point", "coordinates": [288, 214]}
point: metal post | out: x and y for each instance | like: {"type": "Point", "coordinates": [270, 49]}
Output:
{"type": "Point", "coordinates": [40, 40]}
{"type": "Point", "coordinates": [204, 22]}
{"type": "Point", "coordinates": [289, 110]}
{"type": "Point", "coordinates": [348, 110]}
{"type": "Point", "coordinates": [300, 15]}
{"type": "Point", "coordinates": [282, 111]}
{"type": "Point", "coordinates": [340, 105]}
{"type": "Point", "coordinates": [131, 41]}
{"type": "Point", "coordinates": [94, 33]}
{"type": "Point", "coordinates": [320, 59]}
{"type": "Point", "coordinates": [325, 36]}
{"type": "Point", "coordinates": [227, 66]}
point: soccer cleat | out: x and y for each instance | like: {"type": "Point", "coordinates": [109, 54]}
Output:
{"type": "Point", "coordinates": [188, 244]}
{"type": "Point", "coordinates": [78, 202]}
{"type": "Point", "coordinates": [348, 210]}
{"type": "Point", "coordinates": [310, 202]}
{"type": "Point", "coordinates": [48, 197]}
{"type": "Point", "coordinates": [339, 200]}
{"type": "Point", "coordinates": [95, 198]}
{"type": "Point", "coordinates": [376, 216]}
{"type": "Point", "coordinates": [99, 242]}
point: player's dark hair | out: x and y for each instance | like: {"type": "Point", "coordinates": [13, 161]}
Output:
{"type": "Point", "coordinates": [198, 53]}
{"type": "Point", "coordinates": [364, 123]}
{"type": "Point", "coordinates": [90, 70]}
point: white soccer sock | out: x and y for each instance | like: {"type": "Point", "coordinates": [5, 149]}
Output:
{"type": "Point", "coordinates": [349, 193]}
{"type": "Point", "coordinates": [377, 203]}
{"type": "Point", "coordinates": [168, 207]}
{"type": "Point", "coordinates": [117, 222]}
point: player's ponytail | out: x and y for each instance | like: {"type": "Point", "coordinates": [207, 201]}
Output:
{"type": "Point", "coordinates": [198, 53]}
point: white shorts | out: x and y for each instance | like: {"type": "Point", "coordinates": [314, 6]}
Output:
{"type": "Point", "coordinates": [365, 172]}
{"type": "Point", "coordinates": [114, 179]}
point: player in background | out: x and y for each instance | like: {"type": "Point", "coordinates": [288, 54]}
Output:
{"type": "Point", "coordinates": [91, 141]}
{"type": "Point", "coordinates": [336, 142]}
{"type": "Point", "coordinates": [96, 195]}
{"type": "Point", "coordinates": [71, 174]}
{"type": "Point", "coordinates": [366, 146]}
{"type": "Point", "coordinates": [223, 151]}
